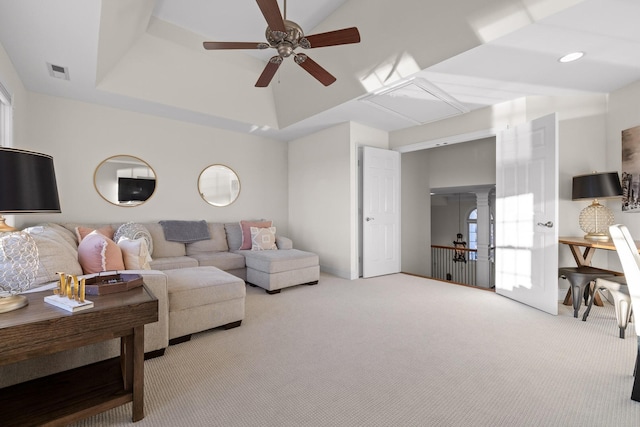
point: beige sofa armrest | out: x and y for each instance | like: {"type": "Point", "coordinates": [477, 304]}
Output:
{"type": "Point", "coordinates": [156, 335]}
{"type": "Point", "coordinates": [283, 242]}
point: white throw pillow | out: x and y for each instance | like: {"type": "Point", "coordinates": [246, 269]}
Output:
{"type": "Point", "coordinates": [135, 253]}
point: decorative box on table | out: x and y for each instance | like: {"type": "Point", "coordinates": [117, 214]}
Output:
{"type": "Point", "coordinates": [103, 284]}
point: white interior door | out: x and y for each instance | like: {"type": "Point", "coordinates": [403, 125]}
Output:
{"type": "Point", "coordinates": [380, 212]}
{"type": "Point", "coordinates": [527, 214]}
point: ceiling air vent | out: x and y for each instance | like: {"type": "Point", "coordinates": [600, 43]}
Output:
{"type": "Point", "coordinates": [417, 100]}
{"type": "Point", "coordinates": [58, 72]}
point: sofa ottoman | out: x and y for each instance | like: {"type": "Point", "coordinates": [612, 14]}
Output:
{"type": "Point", "coordinates": [202, 298]}
{"type": "Point", "coordinates": [278, 269]}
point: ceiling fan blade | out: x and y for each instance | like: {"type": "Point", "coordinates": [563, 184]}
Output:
{"type": "Point", "coordinates": [269, 71]}
{"type": "Point", "coordinates": [272, 14]}
{"type": "Point", "coordinates": [313, 68]}
{"type": "Point", "coordinates": [333, 38]}
{"type": "Point", "coordinates": [233, 45]}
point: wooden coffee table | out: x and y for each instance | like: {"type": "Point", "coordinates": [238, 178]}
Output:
{"type": "Point", "coordinates": [41, 329]}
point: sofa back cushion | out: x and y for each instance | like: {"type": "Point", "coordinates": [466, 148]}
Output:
{"type": "Point", "coordinates": [161, 247]}
{"type": "Point", "coordinates": [234, 235]}
{"type": "Point", "coordinates": [217, 243]}
{"type": "Point", "coordinates": [57, 252]}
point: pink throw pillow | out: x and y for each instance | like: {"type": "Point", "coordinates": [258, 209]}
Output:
{"type": "Point", "coordinates": [97, 253]}
{"type": "Point", "coordinates": [246, 231]}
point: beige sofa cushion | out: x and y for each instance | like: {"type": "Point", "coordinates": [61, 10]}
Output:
{"type": "Point", "coordinates": [161, 247]}
{"type": "Point", "coordinates": [223, 260]}
{"type": "Point", "coordinates": [280, 260]}
{"type": "Point", "coordinates": [217, 243]}
{"type": "Point", "coordinates": [234, 235]}
{"type": "Point", "coordinates": [193, 287]}
{"type": "Point", "coordinates": [170, 263]}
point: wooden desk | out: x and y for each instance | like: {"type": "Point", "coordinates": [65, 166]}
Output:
{"type": "Point", "coordinates": [583, 258]}
{"type": "Point", "coordinates": [40, 328]}
{"type": "Point", "coordinates": [582, 251]}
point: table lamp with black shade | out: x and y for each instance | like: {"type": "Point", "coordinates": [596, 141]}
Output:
{"type": "Point", "coordinates": [595, 219]}
{"type": "Point", "coordinates": [27, 185]}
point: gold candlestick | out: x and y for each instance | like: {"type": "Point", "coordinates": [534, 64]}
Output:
{"type": "Point", "coordinates": [60, 288]}
{"type": "Point", "coordinates": [68, 289]}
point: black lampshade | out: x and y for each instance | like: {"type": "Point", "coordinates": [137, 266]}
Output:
{"type": "Point", "coordinates": [27, 182]}
{"type": "Point", "coordinates": [596, 186]}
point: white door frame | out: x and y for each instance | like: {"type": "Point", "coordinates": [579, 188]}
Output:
{"type": "Point", "coordinates": [453, 139]}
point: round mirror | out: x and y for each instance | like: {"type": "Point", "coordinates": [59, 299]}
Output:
{"type": "Point", "coordinates": [218, 185]}
{"type": "Point", "coordinates": [124, 180]}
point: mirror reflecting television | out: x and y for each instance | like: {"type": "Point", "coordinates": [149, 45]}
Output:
{"type": "Point", "coordinates": [125, 180]}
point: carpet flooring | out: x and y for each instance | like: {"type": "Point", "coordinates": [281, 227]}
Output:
{"type": "Point", "coordinates": [396, 350]}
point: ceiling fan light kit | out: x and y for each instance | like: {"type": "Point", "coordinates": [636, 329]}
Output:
{"type": "Point", "coordinates": [285, 37]}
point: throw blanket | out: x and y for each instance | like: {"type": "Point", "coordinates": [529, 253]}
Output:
{"type": "Point", "coordinates": [185, 231]}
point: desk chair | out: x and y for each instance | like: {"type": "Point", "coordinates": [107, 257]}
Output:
{"type": "Point", "coordinates": [617, 287]}
{"type": "Point", "coordinates": [579, 278]}
{"type": "Point", "coordinates": [630, 260]}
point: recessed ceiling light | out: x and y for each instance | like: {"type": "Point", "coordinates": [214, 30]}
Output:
{"type": "Point", "coordinates": [570, 57]}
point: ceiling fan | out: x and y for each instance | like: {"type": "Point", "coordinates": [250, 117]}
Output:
{"type": "Point", "coordinates": [285, 36]}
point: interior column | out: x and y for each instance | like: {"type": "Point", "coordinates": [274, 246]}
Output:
{"type": "Point", "coordinates": [483, 264]}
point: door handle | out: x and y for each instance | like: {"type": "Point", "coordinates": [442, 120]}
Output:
{"type": "Point", "coordinates": [369, 219]}
{"type": "Point", "coordinates": [548, 224]}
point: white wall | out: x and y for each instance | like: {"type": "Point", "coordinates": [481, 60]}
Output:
{"type": "Point", "coordinates": [80, 135]}
{"type": "Point", "coordinates": [11, 81]}
{"type": "Point", "coordinates": [416, 214]}
{"type": "Point", "coordinates": [324, 194]}
{"type": "Point", "coordinates": [448, 218]}
{"type": "Point", "coordinates": [320, 194]}
{"type": "Point", "coordinates": [458, 165]}
{"type": "Point", "coordinates": [624, 113]}
{"type": "Point", "coordinates": [581, 133]}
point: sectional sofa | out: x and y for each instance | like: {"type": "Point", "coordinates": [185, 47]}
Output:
{"type": "Point", "coordinates": [199, 285]}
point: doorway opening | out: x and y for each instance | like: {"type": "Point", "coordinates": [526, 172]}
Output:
{"type": "Point", "coordinates": [466, 211]}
